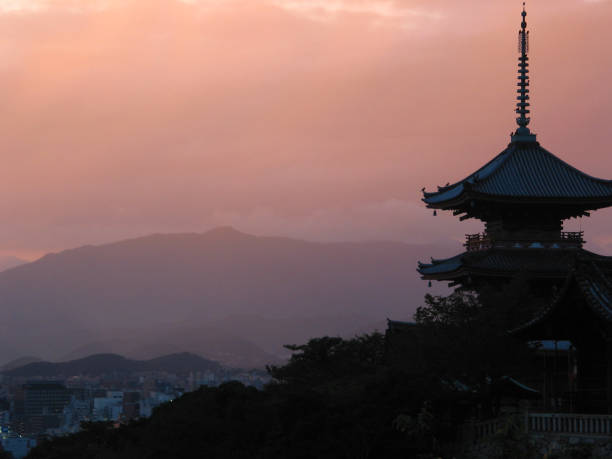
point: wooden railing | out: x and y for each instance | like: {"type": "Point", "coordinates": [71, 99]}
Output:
{"type": "Point", "coordinates": [569, 424]}
{"type": "Point", "coordinates": [475, 431]}
{"type": "Point", "coordinates": [486, 429]}
{"type": "Point", "coordinates": [484, 241]}
{"type": "Point", "coordinates": [573, 236]}
{"type": "Point", "coordinates": [477, 242]}
{"type": "Point", "coordinates": [580, 425]}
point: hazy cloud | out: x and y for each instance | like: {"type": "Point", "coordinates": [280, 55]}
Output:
{"type": "Point", "coordinates": [378, 11]}
{"type": "Point", "coordinates": [39, 6]}
{"type": "Point", "coordinates": [137, 116]}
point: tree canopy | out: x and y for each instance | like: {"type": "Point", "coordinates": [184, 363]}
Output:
{"type": "Point", "coordinates": [336, 398]}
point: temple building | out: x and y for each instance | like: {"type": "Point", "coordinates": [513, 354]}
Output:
{"type": "Point", "coordinates": [523, 196]}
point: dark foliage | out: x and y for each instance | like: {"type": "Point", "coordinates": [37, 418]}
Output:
{"type": "Point", "coordinates": [468, 340]}
{"type": "Point", "coordinates": [327, 359]}
{"type": "Point", "coordinates": [335, 398]}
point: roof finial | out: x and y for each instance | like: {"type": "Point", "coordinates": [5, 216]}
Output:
{"type": "Point", "coordinates": [522, 106]}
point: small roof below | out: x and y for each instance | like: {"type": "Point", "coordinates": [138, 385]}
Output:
{"type": "Point", "coordinates": [525, 171]}
{"type": "Point", "coordinates": [513, 388]}
{"type": "Point", "coordinates": [549, 345]}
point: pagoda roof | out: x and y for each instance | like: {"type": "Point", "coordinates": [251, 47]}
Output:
{"type": "Point", "coordinates": [555, 263]}
{"type": "Point", "coordinates": [512, 387]}
{"type": "Point", "coordinates": [525, 172]}
{"type": "Point", "coordinates": [594, 286]}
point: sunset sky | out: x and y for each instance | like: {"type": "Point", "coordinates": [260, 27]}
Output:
{"type": "Point", "coordinates": [317, 119]}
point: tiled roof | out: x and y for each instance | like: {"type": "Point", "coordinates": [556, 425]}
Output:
{"type": "Point", "coordinates": [447, 265]}
{"type": "Point", "coordinates": [554, 261]}
{"type": "Point", "coordinates": [595, 287]}
{"type": "Point", "coordinates": [526, 170]}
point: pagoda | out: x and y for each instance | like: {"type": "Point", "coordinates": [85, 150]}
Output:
{"type": "Point", "coordinates": [522, 195]}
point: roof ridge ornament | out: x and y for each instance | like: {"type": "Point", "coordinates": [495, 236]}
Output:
{"type": "Point", "coordinates": [523, 134]}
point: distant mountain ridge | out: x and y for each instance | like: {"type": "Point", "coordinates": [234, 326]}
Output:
{"type": "Point", "coordinates": [9, 261]}
{"type": "Point", "coordinates": [227, 295]}
{"type": "Point", "coordinates": [215, 344]}
{"type": "Point", "coordinates": [96, 365]}
{"type": "Point", "coordinates": [20, 362]}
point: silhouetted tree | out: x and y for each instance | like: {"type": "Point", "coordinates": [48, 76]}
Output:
{"type": "Point", "coordinates": [467, 337]}
{"type": "Point", "coordinates": [331, 358]}
{"type": "Point", "coordinates": [335, 398]}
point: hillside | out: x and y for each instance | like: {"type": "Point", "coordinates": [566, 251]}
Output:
{"type": "Point", "coordinates": [99, 364]}
{"type": "Point", "coordinates": [20, 362]}
{"type": "Point", "coordinates": [218, 294]}
{"type": "Point", "coordinates": [8, 262]}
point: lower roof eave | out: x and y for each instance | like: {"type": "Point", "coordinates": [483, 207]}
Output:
{"type": "Point", "coordinates": [480, 273]}
{"type": "Point", "coordinates": [463, 265]}
{"type": "Point", "coordinates": [442, 276]}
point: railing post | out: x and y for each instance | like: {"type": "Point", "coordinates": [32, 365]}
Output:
{"type": "Point", "coordinates": [557, 424]}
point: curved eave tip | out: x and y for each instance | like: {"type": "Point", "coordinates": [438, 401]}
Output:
{"type": "Point", "coordinates": [430, 204]}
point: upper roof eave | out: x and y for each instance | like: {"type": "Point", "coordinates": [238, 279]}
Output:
{"type": "Point", "coordinates": [525, 173]}
{"type": "Point", "coordinates": [463, 200]}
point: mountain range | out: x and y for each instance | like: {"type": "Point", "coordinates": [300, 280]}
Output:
{"type": "Point", "coordinates": [223, 294]}
{"type": "Point", "coordinates": [9, 261]}
{"type": "Point", "coordinates": [96, 365]}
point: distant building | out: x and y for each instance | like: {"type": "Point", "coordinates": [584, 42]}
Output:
{"type": "Point", "coordinates": [131, 405]}
{"type": "Point", "coordinates": [44, 404]}
{"type": "Point", "coordinates": [109, 408]}
{"type": "Point", "coordinates": [19, 447]}
{"type": "Point", "coordinates": [76, 412]}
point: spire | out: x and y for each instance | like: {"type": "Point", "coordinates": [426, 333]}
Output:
{"type": "Point", "coordinates": [523, 134]}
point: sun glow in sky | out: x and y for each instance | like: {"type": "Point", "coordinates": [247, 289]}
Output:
{"type": "Point", "coordinates": [307, 118]}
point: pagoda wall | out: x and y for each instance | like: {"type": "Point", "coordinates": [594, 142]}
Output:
{"type": "Point", "coordinates": [522, 228]}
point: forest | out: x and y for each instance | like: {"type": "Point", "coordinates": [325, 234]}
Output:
{"type": "Point", "coordinates": [405, 393]}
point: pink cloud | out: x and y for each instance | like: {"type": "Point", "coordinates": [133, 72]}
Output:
{"type": "Point", "coordinates": [148, 116]}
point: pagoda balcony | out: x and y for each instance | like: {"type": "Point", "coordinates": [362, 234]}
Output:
{"type": "Point", "coordinates": [478, 241]}
{"type": "Point", "coordinates": [593, 427]}
{"type": "Point", "coordinates": [485, 241]}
